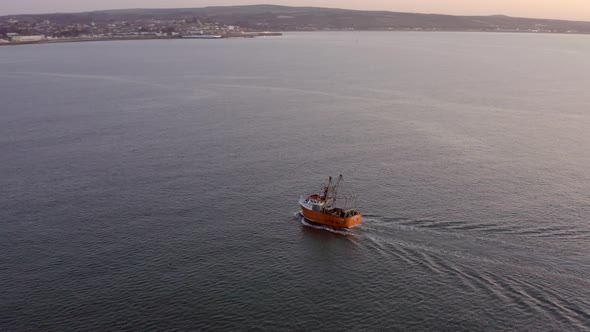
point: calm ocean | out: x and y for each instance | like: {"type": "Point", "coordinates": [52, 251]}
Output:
{"type": "Point", "coordinates": [153, 185]}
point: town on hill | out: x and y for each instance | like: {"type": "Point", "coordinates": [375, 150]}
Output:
{"type": "Point", "coordinates": [237, 20]}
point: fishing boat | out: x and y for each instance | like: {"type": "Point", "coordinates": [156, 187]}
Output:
{"type": "Point", "coordinates": [321, 208]}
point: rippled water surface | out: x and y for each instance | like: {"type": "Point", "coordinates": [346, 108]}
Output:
{"type": "Point", "coordinates": [153, 185]}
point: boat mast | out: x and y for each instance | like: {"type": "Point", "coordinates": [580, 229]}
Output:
{"type": "Point", "coordinates": [340, 178]}
{"type": "Point", "coordinates": [327, 188]}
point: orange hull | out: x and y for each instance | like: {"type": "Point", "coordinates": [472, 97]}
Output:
{"type": "Point", "coordinates": [332, 221]}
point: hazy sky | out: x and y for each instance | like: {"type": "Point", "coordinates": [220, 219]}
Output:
{"type": "Point", "coordinates": [565, 9]}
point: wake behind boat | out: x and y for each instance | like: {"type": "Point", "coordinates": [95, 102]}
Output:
{"type": "Point", "coordinates": [321, 208]}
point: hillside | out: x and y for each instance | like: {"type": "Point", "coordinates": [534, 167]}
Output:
{"type": "Point", "coordinates": [282, 18]}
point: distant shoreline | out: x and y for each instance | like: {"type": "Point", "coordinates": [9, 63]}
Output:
{"type": "Point", "coordinates": [220, 20]}
{"type": "Point", "coordinates": [254, 35]}
{"type": "Point", "coordinates": [82, 40]}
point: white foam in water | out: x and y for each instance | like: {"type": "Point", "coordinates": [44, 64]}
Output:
{"type": "Point", "coordinates": [325, 228]}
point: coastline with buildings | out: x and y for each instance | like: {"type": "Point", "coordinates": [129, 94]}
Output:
{"type": "Point", "coordinates": [16, 32]}
{"type": "Point", "coordinates": [249, 22]}
{"type": "Point", "coordinates": [41, 39]}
